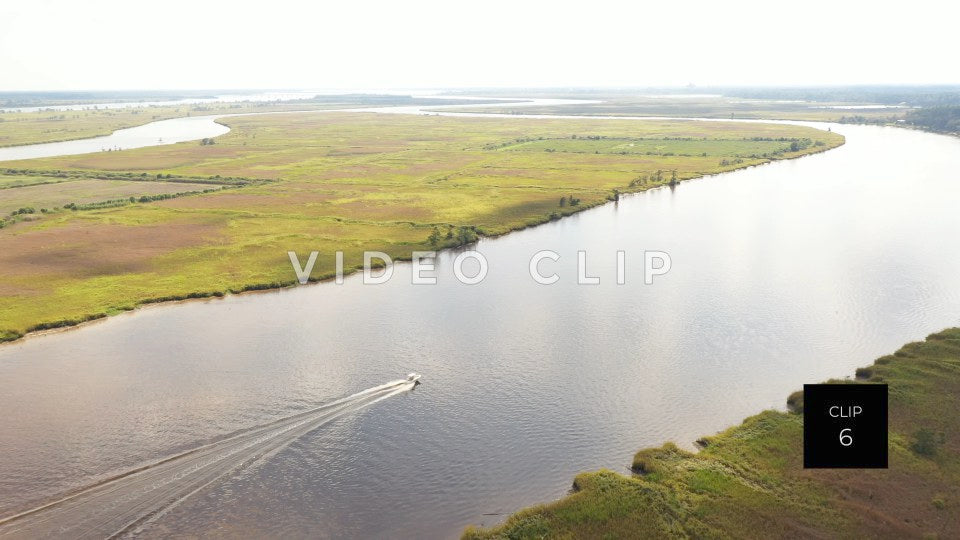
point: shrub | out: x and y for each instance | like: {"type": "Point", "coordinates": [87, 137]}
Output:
{"type": "Point", "coordinates": [466, 235]}
{"type": "Point", "coordinates": [434, 237]}
{"type": "Point", "coordinates": [650, 460]}
{"type": "Point", "coordinates": [795, 402]}
{"type": "Point", "coordinates": [924, 442]}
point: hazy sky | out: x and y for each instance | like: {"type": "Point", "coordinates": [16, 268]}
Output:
{"type": "Point", "coordinates": [128, 44]}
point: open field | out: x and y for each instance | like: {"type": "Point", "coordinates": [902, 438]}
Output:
{"type": "Point", "coordinates": [336, 181]}
{"type": "Point", "coordinates": [18, 128]}
{"type": "Point", "coordinates": [707, 106]}
{"type": "Point", "coordinates": [749, 481]}
{"type": "Point", "coordinates": [21, 180]}
{"type": "Point", "coordinates": [48, 196]}
{"type": "Point", "coordinates": [732, 148]}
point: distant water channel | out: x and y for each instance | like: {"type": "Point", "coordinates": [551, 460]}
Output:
{"type": "Point", "coordinates": [193, 128]}
{"type": "Point", "coordinates": [783, 274]}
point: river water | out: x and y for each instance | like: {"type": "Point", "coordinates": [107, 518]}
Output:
{"type": "Point", "coordinates": [193, 128]}
{"type": "Point", "coordinates": [783, 274]}
{"type": "Point", "coordinates": [156, 133]}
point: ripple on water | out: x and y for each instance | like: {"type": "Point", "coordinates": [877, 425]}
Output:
{"type": "Point", "coordinates": [783, 274]}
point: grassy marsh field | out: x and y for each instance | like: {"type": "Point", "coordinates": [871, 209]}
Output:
{"type": "Point", "coordinates": [43, 126]}
{"type": "Point", "coordinates": [337, 181]}
{"type": "Point", "coordinates": [48, 125]}
{"type": "Point", "coordinates": [749, 481]}
{"type": "Point", "coordinates": [709, 106]}
{"type": "Point", "coordinates": [50, 196]}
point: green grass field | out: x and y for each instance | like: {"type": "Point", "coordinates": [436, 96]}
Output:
{"type": "Point", "coordinates": [17, 128]}
{"type": "Point", "coordinates": [328, 182]}
{"type": "Point", "coordinates": [51, 196]}
{"type": "Point", "coordinates": [687, 147]}
{"type": "Point", "coordinates": [46, 125]}
{"type": "Point", "coordinates": [21, 180]}
{"type": "Point", "coordinates": [702, 106]}
{"type": "Point", "coordinates": [749, 481]}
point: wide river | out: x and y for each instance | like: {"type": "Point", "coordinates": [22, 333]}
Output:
{"type": "Point", "coordinates": [783, 274]}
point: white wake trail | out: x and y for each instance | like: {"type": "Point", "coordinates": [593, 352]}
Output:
{"type": "Point", "coordinates": [128, 502]}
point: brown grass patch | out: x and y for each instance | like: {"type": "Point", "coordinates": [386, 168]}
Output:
{"type": "Point", "coordinates": [894, 501]}
{"type": "Point", "coordinates": [80, 249]}
{"type": "Point", "coordinates": [232, 201]}
{"type": "Point", "coordinates": [87, 191]}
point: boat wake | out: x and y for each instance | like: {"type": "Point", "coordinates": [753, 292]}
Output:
{"type": "Point", "coordinates": [126, 503]}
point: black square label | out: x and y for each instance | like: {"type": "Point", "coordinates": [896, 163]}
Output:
{"type": "Point", "coordinates": [845, 426]}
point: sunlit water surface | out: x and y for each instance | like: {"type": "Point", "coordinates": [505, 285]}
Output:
{"type": "Point", "coordinates": [783, 274]}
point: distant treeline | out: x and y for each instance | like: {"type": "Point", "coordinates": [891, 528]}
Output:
{"type": "Point", "coordinates": [923, 96]}
{"type": "Point", "coordinates": [46, 99]}
{"type": "Point", "coordinates": [943, 119]}
{"type": "Point", "coordinates": [390, 99]}
{"type": "Point", "coordinates": [50, 99]}
{"type": "Point", "coordinates": [911, 95]}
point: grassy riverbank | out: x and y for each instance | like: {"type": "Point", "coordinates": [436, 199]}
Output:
{"type": "Point", "coordinates": [749, 481]}
{"type": "Point", "coordinates": [48, 125]}
{"type": "Point", "coordinates": [328, 182]}
{"type": "Point", "coordinates": [45, 126]}
{"type": "Point", "coordinates": [705, 106]}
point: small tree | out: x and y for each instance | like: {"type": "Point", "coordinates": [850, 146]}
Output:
{"type": "Point", "coordinates": [466, 235]}
{"type": "Point", "coordinates": [434, 237]}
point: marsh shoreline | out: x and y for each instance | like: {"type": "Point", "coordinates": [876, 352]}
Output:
{"type": "Point", "coordinates": [741, 278]}
{"type": "Point", "coordinates": [748, 480]}
{"type": "Point", "coordinates": [46, 327]}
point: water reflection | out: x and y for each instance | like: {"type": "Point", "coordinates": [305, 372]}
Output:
{"type": "Point", "coordinates": [783, 274]}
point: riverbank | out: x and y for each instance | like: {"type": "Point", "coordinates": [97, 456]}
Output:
{"type": "Point", "coordinates": [543, 414]}
{"type": "Point", "coordinates": [749, 481]}
{"type": "Point", "coordinates": [344, 181]}
{"type": "Point", "coordinates": [54, 125]}
{"type": "Point", "coordinates": [716, 107]}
